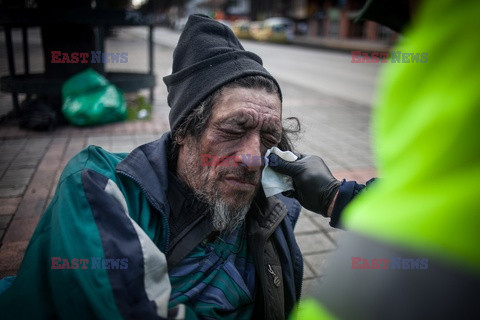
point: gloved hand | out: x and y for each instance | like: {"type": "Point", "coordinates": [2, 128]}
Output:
{"type": "Point", "coordinates": [315, 186]}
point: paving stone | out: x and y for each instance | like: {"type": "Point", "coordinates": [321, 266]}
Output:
{"type": "Point", "coordinates": [4, 165]}
{"type": "Point", "coordinates": [334, 235]}
{"type": "Point", "coordinates": [16, 178]}
{"type": "Point", "coordinates": [8, 206]}
{"type": "Point", "coordinates": [145, 138]}
{"type": "Point", "coordinates": [317, 263]}
{"type": "Point", "coordinates": [14, 182]}
{"type": "Point", "coordinates": [314, 242]}
{"type": "Point", "coordinates": [24, 162]}
{"type": "Point", "coordinates": [321, 221]}
{"type": "Point", "coordinates": [101, 141]}
{"type": "Point", "coordinates": [9, 151]}
{"type": "Point", "coordinates": [307, 272]}
{"type": "Point", "coordinates": [6, 158]}
{"type": "Point", "coordinates": [122, 148]}
{"type": "Point", "coordinates": [34, 201]}
{"type": "Point", "coordinates": [20, 230]}
{"type": "Point", "coordinates": [75, 145]}
{"type": "Point", "coordinates": [13, 174]}
{"type": "Point", "coordinates": [305, 225]}
{"type": "Point", "coordinates": [11, 256]}
{"type": "Point", "coordinates": [122, 139]}
{"type": "Point", "coordinates": [15, 191]}
{"type": "Point", "coordinates": [4, 221]}
{"type": "Point", "coordinates": [308, 287]}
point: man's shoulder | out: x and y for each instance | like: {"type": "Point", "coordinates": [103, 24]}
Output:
{"type": "Point", "coordinates": [93, 158]}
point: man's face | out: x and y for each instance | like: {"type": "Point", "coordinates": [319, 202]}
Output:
{"type": "Point", "coordinates": [244, 123]}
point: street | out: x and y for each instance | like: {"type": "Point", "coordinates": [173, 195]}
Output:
{"type": "Point", "coordinates": [327, 72]}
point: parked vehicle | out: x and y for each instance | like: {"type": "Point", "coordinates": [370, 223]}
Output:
{"type": "Point", "coordinates": [241, 28]}
{"type": "Point", "coordinates": [274, 29]}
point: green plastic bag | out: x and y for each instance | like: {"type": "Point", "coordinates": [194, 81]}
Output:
{"type": "Point", "coordinates": [89, 99]}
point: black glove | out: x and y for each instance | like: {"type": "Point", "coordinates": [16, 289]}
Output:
{"type": "Point", "coordinates": [315, 186]}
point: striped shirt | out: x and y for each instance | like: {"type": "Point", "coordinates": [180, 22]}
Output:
{"type": "Point", "coordinates": [217, 279]}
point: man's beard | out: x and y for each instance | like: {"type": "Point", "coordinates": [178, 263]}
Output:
{"type": "Point", "coordinates": [226, 217]}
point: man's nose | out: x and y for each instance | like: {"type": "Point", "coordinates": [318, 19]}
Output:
{"type": "Point", "coordinates": [249, 152]}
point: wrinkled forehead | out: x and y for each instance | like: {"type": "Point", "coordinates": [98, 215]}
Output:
{"type": "Point", "coordinates": [237, 102]}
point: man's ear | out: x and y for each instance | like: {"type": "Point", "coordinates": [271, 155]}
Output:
{"type": "Point", "coordinates": [180, 140]}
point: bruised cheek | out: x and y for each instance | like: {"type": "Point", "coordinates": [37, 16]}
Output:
{"type": "Point", "coordinates": [217, 145]}
{"type": "Point", "coordinates": [212, 149]}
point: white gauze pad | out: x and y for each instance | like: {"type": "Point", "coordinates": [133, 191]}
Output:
{"type": "Point", "coordinates": [273, 182]}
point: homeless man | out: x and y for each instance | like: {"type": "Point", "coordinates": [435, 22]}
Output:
{"type": "Point", "coordinates": [156, 234]}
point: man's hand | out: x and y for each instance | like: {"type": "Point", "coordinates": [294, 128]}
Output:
{"type": "Point", "coordinates": [315, 186]}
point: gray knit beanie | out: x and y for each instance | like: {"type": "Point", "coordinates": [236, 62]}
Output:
{"type": "Point", "coordinates": [208, 56]}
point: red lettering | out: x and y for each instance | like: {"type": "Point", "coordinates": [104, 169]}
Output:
{"type": "Point", "coordinates": [84, 56]}
{"type": "Point", "coordinates": [356, 56]}
{"type": "Point", "coordinates": [206, 160]}
{"type": "Point", "coordinates": [366, 264]}
{"type": "Point", "coordinates": [215, 161]}
{"type": "Point", "coordinates": [74, 264]}
{"type": "Point", "coordinates": [375, 58]}
{"type": "Point", "coordinates": [384, 57]}
{"type": "Point", "coordinates": [75, 57]}
{"type": "Point", "coordinates": [384, 263]}
{"type": "Point", "coordinates": [374, 264]}
{"type": "Point", "coordinates": [65, 264]}
{"type": "Point", "coordinates": [224, 161]}
{"type": "Point", "coordinates": [65, 57]}
{"type": "Point", "coordinates": [55, 261]}
{"type": "Point", "coordinates": [55, 56]}
{"type": "Point", "coordinates": [355, 263]}
{"type": "Point", "coordinates": [365, 58]}
{"type": "Point", "coordinates": [83, 262]}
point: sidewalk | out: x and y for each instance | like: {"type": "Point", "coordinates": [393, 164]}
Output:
{"type": "Point", "coordinates": [31, 162]}
{"type": "Point", "coordinates": [341, 44]}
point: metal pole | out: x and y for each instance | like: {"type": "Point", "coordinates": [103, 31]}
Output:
{"type": "Point", "coordinates": [26, 62]}
{"type": "Point", "coordinates": [150, 57]}
{"type": "Point", "coordinates": [11, 65]}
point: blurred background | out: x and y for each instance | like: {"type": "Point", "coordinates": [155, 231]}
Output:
{"type": "Point", "coordinates": [305, 44]}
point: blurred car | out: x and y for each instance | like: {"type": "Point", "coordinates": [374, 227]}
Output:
{"type": "Point", "coordinates": [274, 29]}
{"type": "Point", "coordinates": [241, 28]}
{"type": "Point", "coordinates": [225, 22]}
{"type": "Point", "coordinates": [179, 24]}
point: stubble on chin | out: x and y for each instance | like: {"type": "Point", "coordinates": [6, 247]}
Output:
{"type": "Point", "coordinates": [228, 208]}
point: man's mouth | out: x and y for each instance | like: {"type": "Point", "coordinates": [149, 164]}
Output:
{"type": "Point", "coordinates": [240, 183]}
